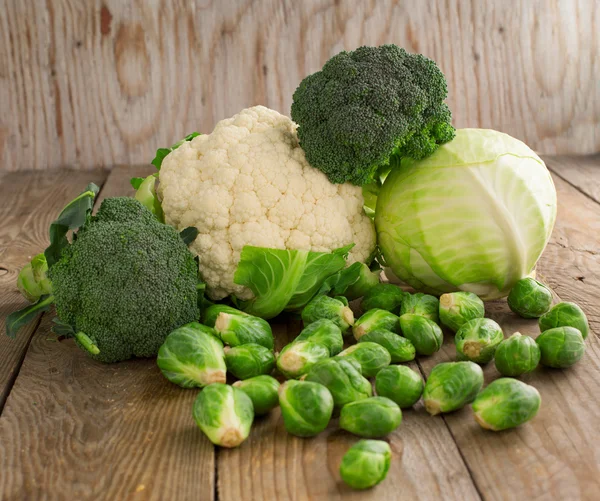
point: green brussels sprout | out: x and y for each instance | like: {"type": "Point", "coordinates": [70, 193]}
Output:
{"type": "Point", "coordinates": [367, 279]}
{"type": "Point", "coordinates": [399, 348]}
{"type": "Point", "coordinates": [262, 390]}
{"type": "Point", "coordinates": [212, 312]}
{"type": "Point", "coordinates": [421, 304]}
{"type": "Point", "coordinates": [323, 332]}
{"type": "Point", "coordinates": [457, 308]}
{"type": "Point", "coordinates": [452, 385]}
{"type": "Point", "coordinates": [249, 360]}
{"type": "Point", "coordinates": [517, 355]}
{"type": "Point", "coordinates": [506, 403]}
{"type": "Point", "coordinates": [224, 413]}
{"type": "Point", "coordinates": [192, 356]}
{"type": "Point", "coordinates": [400, 384]}
{"type": "Point", "coordinates": [330, 308]}
{"type": "Point", "coordinates": [343, 300]}
{"type": "Point", "coordinates": [371, 418]}
{"type": "Point", "coordinates": [297, 358]}
{"type": "Point", "coordinates": [375, 319]}
{"type": "Point", "coordinates": [366, 463]}
{"type": "Point", "coordinates": [477, 340]}
{"type": "Point", "coordinates": [560, 347]}
{"type": "Point", "coordinates": [235, 330]}
{"type": "Point", "coordinates": [33, 281]}
{"type": "Point", "coordinates": [387, 297]}
{"type": "Point", "coordinates": [529, 298]}
{"type": "Point", "coordinates": [306, 407]}
{"type": "Point", "coordinates": [372, 357]}
{"type": "Point", "coordinates": [426, 336]}
{"type": "Point", "coordinates": [565, 315]}
{"type": "Point", "coordinates": [343, 378]}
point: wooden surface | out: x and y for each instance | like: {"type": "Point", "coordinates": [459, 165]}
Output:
{"type": "Point", "coordinates": [90, 83]}
{"type": "Point", "coordinates": [72, 428]}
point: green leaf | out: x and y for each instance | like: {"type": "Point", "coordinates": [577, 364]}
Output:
{"type": "Point", "coordinates": [19, 318]}
{"type": "Point", "coordinates": [284, 279]}
{"type": "Point", "coordinates": [136, 182]}
{"type": "Point", "coordinates": [161, 153]}
{"type": "Point", "coordinates": [337, 284]}
{"type": "Point", "coordinates": [62, 328]}
{"type": "Point", "coordinates": [188, 235]}
{"type": "Point", "coordinates": [71, 217]}
{"type": "Point", "coordinates": [146, 195]}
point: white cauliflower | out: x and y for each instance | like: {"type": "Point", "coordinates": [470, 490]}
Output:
{"type": "Point", "coordinates": [248, 183]}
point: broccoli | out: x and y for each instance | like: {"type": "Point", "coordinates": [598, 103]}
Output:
{"type": "Point", "coordinates": [125, 282]}
{"type": "Point", "coordinates": [369, 107]}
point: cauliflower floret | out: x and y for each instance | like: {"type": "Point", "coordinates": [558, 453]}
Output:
{"type": "Point", "coordinates": [248, 183]}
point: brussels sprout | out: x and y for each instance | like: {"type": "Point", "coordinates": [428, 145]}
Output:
{"type": "Point", "coordinates": [399, 348]}
{"type": "Point", "coordinates": [424, 334]}
{"type": "Point", "coordinates": [457, 308]}
{"type": "Point", "coordinates": [298, 358]}
{"type": "Point", "coordinates": [565, 315]}
{"type": "Point", "coordinates": [235, 330]}
{"type": "Point", "coordinates": [192, 356]}
{"type": "Point", "coordinates": [452, 385]}
{"type": "Point", "coordinates": [400, 384]}
{"type": "Point", "coordinates": [375, 319]}
{"type": "Point", "coordinates": [506, 403]}
{"type": "Point", "coordinates": [249, 360]}
{"type": "Point", "coordinates": [384, 297]}
{"type": "Point", "coordinates": [330, 308]}
{"type": "Point", "coordinates": [343, 378]}
{"type": "Point", "coordinates": [478, 339]}
{"type": "Point", "coordinates": [306, 407]}
{"type": "Point", "coordinates": [212, 312]}
{"type": "Point", "coordinates": [560, 347]}
{"type": "Point", "coordinates": [371, 418]}
{"type": "Point", "coordinates": [33, 281]}
{"type": "Point", "coordinates": [517, 355]}
{"type": "Point", "coordinates": [372, 357]}
{"type": "Point", "coordinates": [323, 332]}
{"type": "Point", "coordinates": [422, 304]}
{"type": "Point", "coordinates": [343, 300]}
{"type": "Point", "coordinates": [366, 463]}
{"type": "Point", "coordinates": [224, 413]}
{"type": "Point", "coordinates": [262, 390]}
{"type": "Point", "coordinates": [529, 298]}
{"type": "Point", "coordinates": [367, 279]}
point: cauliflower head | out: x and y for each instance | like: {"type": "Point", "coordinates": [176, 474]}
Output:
{"type": "Point", "coordinates": [248, 183]}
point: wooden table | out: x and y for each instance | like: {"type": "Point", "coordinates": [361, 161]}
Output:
{"type": "Point", "coordinates": [74, 429]}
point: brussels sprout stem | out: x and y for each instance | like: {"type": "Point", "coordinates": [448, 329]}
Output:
{"type": "Point", "coordinates": [472, 349]}
{"type": "Point", "coordinates": [222, 322]}
{"type": "Point", "coordinates": [348, 316]}
{"type": "Point", "coordinates": [433, 407]}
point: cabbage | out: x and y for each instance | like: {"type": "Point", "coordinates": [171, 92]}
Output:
{"type": "Point", "coordinates": [475, 215]}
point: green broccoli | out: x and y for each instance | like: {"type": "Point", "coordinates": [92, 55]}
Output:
{"type": "Point", "coordinates": [368, 107]}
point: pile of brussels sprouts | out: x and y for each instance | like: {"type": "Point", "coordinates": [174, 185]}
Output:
{"type": "Point", "coordinates": [322, 379]}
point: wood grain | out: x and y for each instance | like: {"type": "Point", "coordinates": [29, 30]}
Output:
{"type": "Point", "coordinates": [581, 172]}
{"type": "Point", "coordinates": [104, 82]}
{"type": "Point", "coordinates": [28, 204]}
{"type": "Point", "coordinates": [73, 428]}
{"type": "Point", "coordinates": [555, 455]}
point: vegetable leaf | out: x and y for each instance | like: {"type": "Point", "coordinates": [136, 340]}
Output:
{"type": "Point", "coordinates": [161, 153]}
{"type": "Point", "coordinates": [337, 284]}
{"type": "Point", "coordinates": [19, 318]}
{"type": "Point", "coordinates": [62, 328]}
{"type": "Point", "coordinates": [284, 279]}
{"type": "Point", "coordinates": [136, 182]}
{"type": "Point", "coordinates": [71, 218]}
{"type": "Point", "coordinates": [188, 235]}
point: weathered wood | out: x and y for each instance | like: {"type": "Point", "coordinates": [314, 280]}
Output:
{"type": "Point", "coordinates": [555, 455]}
{"type": "Point", "coordinates": [28, 204]}
{"type": "Point", "coordinates": [103, 82]}
{"type": "Point", "coordinates": [73, 428]}
{"type": "Point", "coordinates": [582, 172]}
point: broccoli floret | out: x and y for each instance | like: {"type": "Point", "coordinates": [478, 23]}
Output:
{"type": "Point", "coordinates": [368, 105]}
{"type": "Point", "coordinates": [126, 281]}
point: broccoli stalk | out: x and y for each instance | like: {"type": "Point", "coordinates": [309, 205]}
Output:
{"type": "Point", "coordinates": [367, 106]}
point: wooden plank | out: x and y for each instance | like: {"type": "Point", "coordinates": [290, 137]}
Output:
{"type": "Point", "coordinates": [555, 455]}
{"type": "Point", "coordinates": [273, 464]}
{"type": "Point", "coordinates": [73, 428]}
{"type": "Point", "coordinates": [28, 204]}
{"type": "Point", "coordinates": [583, 172]}
{"type": "Point", "coordinates": [103, 82]}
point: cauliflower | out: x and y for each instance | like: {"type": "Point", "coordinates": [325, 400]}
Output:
{"type": "Point", "coordinates": [248, 183]}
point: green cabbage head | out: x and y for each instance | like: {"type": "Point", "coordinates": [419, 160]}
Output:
{"type": "Point", "coordinates": [474, 216]}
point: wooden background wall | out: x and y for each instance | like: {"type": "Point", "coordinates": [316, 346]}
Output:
{"type": "Point", "coordinates": [88, 83]}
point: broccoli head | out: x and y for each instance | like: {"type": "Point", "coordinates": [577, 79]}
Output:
{"type": "Point", "coordinates": [125, 282]}
{"type": "Point", "coordinates": [368, 105]}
